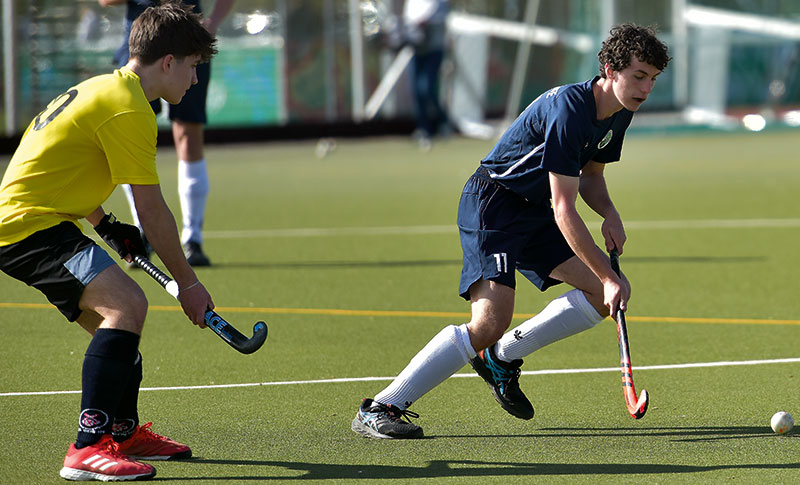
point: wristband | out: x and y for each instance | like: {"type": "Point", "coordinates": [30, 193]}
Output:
{"type": "Point", "coordinates": [190, 286]}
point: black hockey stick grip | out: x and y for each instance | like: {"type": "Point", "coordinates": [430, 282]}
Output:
{"type": "Point", "coordinates": [613, 256]}
{"type": "Point", "coordinates": [157, 274]}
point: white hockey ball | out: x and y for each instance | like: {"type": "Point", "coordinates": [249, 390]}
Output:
{"type": "Point", "coordinates": [782, 422]}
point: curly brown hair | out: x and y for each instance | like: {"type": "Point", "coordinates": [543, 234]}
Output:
{"type": "Point", "coordinates": [627, 40]}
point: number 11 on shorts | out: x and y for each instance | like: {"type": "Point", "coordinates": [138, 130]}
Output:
{"type": "Point", "coordinates": [502, 262]}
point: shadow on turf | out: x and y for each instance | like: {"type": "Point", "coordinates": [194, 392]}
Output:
{"type": "Point", "coordinates": [680, 434]}
{"type": "Point", "coordinates": [458, 469]}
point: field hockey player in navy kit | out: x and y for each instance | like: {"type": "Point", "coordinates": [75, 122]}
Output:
{"type": "Point", "coordinates": [518, 213]}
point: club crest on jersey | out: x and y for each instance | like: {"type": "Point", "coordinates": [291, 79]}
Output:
{"type": "Point", "coordinates": [606, 140]}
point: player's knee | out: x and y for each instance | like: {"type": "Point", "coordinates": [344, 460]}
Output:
{"type": "Point", "coordinates": [596, 300]}
{"type": "Point", "coordinates": [486, 331]}
{"type": "Point", "coordinates": [600, 308]}
{"type": "Point", "coordinates": [135, 310]}
{"type": "Point", "coordinates": [495, 335]}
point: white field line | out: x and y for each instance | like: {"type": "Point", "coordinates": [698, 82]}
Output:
{"type": "Point", "coordinates": [330, 231]}
{"type": "Point", "coordinates": [792, 360]}
{"type": "Point", "coordinates": [452, 229]}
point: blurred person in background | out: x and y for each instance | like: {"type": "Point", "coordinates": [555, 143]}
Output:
{"type": "Point", "coordinates": [425, 29]}
{"type": "Point", "coordinates": [188, 122]}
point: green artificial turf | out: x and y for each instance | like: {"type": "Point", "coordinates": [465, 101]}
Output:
{"type": "Point", "coordinates": [353, 260]}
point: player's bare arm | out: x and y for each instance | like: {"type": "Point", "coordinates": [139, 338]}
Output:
{"type": "Point", "coordinates": [96, 216]}
{"type": "Point", "coordinates": [564, 191]}
{"type": "Point", "coordinates": [594, 192]}
{"type": "Point", "coordinates": [162, 232]}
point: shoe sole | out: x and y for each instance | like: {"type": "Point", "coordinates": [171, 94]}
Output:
{"type": "Point", "coordinates": [77, 475]}
{"type": "Point", "coordinates": [510, 408]}
{"type": "Point", "coordinates": [368, 432]}
{"type": "Point", "coordinates": [479, 367]}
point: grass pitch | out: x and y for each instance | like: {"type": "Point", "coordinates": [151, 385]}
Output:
{"type": "Point", "coordinates": [353, 260]}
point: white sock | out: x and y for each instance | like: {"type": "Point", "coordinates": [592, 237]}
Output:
{"type": "Point", "coordinates": [567, 315]}
{"type": "Point", "coordinates": [447, 352]}
{"type": "Point", "coordinates": [134, 215]}
{"type": "Point", "coordinates": [193, 187]}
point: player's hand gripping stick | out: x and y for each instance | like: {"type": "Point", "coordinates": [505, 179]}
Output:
{"type": "Point", "coordinates": [636, 406]}
{"type": "Point", "coordinates": [225, 330]}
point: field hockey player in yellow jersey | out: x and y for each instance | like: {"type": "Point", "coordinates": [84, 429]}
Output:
{"type": "Point", "coordinates": [95, 136]}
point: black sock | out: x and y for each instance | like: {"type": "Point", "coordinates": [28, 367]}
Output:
{"type": "Point", "coordinates": [127, 416]}
{"type": "Point", "coordinates": [107, 368]}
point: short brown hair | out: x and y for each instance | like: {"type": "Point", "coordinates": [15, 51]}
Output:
{"type": "Point", "coordinates": [170, 28]}
{"type": "Point", "coordinates": [627, 40]}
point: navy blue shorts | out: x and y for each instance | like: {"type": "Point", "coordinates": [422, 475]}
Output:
{"type": "Point", "coordinates": [192, 108]}
{"type": "Point", "coordinates": [59, 261]}
{"type": "Point", "coordinates": [502, 232]}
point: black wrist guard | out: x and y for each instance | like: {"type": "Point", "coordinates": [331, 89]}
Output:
{"type": "Point", "coordinates": [123, 238]}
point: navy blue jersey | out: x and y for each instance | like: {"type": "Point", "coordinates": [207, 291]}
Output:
{"type": "Point", "coordinates": [558, 132]}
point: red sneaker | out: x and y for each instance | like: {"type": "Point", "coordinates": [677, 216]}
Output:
{"type": "Point", "coordinates": [102, 461]}
{"type": "Point", "coordinates": [146, 445]}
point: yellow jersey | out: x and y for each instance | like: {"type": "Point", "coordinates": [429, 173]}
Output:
{"type": "Point", "coordinates": [100, 133]}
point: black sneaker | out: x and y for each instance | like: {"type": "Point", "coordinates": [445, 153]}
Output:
{"type": "Point", "coordinates": [503, 379]}
{"type": "Point", "coordinates": [378, 420]}
{"type": "Point", "coordinates": [195, 255]}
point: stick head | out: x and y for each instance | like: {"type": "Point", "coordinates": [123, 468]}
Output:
{"type": "Point", "coordinates": [256, 341]}
{"type": "Point", "coordinates": [638, 408]}
{"type": "Point", "coordinates": [235, 338]}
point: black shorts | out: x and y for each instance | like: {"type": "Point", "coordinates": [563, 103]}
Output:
{"type": "Point", "coordinates": [59, 261]}
{"type": "Point", "coordinates": [192, 108]}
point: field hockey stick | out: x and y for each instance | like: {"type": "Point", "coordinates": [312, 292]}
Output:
{"type": "Point", "coordinates": [225, 330]}
{"type": "Point", "coordinates": [636, 406]}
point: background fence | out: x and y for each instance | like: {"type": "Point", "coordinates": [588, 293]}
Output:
{"type": "Point", "coordinates": [293, 61]}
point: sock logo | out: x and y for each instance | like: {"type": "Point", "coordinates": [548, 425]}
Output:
{"type": "Point", "coordinates": [123, 427]}
{"type": "Point", "coordinates": [92, 421]}
{"type": "Point", "coordinates": [518, 334]}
